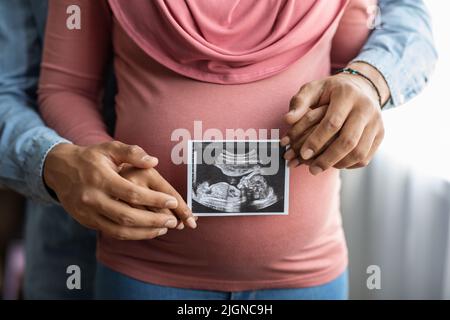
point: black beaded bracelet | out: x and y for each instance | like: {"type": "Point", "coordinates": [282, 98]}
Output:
{"type": "Point", "coordinates": [356, 72]}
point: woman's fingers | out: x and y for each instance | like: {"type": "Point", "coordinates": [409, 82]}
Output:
{"type": "Point", "coordinates": [298, 160]}
{"type": "Point", "coordinates": [307, 97]}
{"type": "Point", "coordinates": [182, 211]}
{"type": "Point", "coordinates": [293, 151]}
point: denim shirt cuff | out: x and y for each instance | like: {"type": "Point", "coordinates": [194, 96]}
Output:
{"type": "Point", "coordinates": [386, 67]}
{"type": "Point", "coordinates": [34, 162]}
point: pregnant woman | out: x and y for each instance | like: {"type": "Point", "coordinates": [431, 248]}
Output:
{"type": "Point", "coordinates": [231, 65]}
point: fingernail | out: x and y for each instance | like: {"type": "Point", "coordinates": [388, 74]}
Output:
{"type": "Point", "coordinates": [289, 155]}
{"type": "Point", "coordinates": [315, 170]}
{"type": "Point", "coordinates": [171, 223]}
{"type": "Point", "coordinates": [307, 154]}
{"type": "Point", "coordinates": [294, 163]}
{"type": "Point", "coordinates": [191, 223]}
{"type": "Point", "coordinates": [180, 226]}
{"type": "Point", "coordinates": [171, 203]}
{"type": "Point", "coordinates": [284, 141]}
{"type": "Point", "coordinates": [162, 231]}
{"type": "Point", "coordinates": [148, 158]}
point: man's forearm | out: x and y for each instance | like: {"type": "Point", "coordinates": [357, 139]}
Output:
{"type": "Point", "coordinates": [24, 144]}
{"type": "Point", "coordinates": [401, 48]}
{"type": "Point", "coordinates": [24, 139]}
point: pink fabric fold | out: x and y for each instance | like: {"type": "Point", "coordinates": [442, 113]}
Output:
{"type": "Point", "coordinates": [224, 41]}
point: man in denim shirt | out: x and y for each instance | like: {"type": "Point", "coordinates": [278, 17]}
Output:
{"type": "Point", "coordinates": [401, 50]}
{"type": "Point", "coordinates": [54, 241]}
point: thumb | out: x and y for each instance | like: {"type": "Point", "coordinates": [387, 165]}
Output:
{"type": "Point", "coordinates": [308, 96]}
{"type": "Point", "coordinates": [131, 154]}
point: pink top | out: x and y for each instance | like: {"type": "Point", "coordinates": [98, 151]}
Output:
{"type": "Point", "coordinates": [157, 95]}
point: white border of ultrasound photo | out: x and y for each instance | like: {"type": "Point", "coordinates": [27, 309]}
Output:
{"type": "Point", "coordinates": [209, 214]}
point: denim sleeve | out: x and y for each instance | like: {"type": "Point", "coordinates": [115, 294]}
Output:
{"type": "Point", "coordinates": [24, 138]}
{"type": "Point", "coordinates": [402, 48]}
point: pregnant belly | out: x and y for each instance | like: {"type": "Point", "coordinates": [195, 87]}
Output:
{"type": "Point", "coordinates": [157, 109]}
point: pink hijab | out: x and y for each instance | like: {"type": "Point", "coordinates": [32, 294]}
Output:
{"type": "Point", "coordinates": [227, 41]}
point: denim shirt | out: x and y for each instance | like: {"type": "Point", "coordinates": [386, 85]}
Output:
{"type": "Point", "coordinates": [401, 49]}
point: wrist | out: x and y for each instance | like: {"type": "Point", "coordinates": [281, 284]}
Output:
{"type": "Point", "coordinates": [56, 162]}
{"type": "Point", "coordinates": [376, 77]}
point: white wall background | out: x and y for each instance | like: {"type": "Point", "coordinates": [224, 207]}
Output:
{"type": "Point", "coordinates": [397, 211]}
{"type": "Point", "coordinates": [418, 133]}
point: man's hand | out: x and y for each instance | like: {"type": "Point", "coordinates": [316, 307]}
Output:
{"type": "Point", "coordinates": [336, 122]}
{"type": "Point", "coordinates": [89, 187]}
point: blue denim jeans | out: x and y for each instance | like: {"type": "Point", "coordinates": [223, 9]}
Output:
{"type": "Point", "coordinates": [54, 241]}
{"type": "Point", "coordinates": [114, 285]}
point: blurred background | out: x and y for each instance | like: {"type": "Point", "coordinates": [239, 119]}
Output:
{"type": "Point", "coordinates": [396, 212]}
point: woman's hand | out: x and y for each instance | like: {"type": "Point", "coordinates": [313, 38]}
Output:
{"type": "Point", "coordinates": [336, 122]}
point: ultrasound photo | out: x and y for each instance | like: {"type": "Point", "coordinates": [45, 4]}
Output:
{"type": "Point", "coordinates": [228, 178]}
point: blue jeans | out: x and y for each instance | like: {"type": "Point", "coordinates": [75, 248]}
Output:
{"type": "Point", "coordinates": [53, 242]}
{"type": "Point", "coordinates": [114, 285]}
